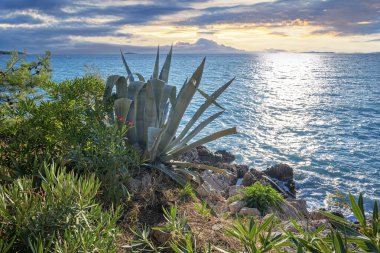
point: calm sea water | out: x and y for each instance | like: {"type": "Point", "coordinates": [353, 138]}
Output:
{"type": "Point", "coordinates": [319, 113]}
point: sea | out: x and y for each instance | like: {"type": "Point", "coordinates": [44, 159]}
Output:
{"type": "Point", "coordinates": [317, 112]}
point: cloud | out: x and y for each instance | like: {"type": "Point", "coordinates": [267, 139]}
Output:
{"type": "Point", "coordinates": [345, 17]}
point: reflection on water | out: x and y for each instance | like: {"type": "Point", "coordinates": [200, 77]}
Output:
{"type": "Point", "coordinates": [317, 112]}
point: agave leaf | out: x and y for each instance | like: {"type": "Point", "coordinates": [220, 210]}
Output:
{"type": "Point", "coordinates": [182, 102]}
{"type": "Point", "coordinates": [207, 97]}
{"type": "Point", "coordinates": [139, 117]}
{"type": "Point", "coordinates": [121, 87]}
{"type": "Point", "coordinates": [199, 166]}
{"type": "Point", "coordinates": [153, 133]}
{"type": "Point", "coordinates": [156, 64]}
{"type": "Point", "coordinates": [193, 133]}
{"type": "Point", "coordinates": [191, 175]}
{"type": "Point", "coordinates": [150, 113]}
{"type": "Point", "coordinates": [121, 109]}
{"type": "Point", "coordinates": [203, 108]}
{"type": "Point", "coordinates": [153, 152]}
{"type": "Point", "coordinates": [141, 78]}
{"type": "Point", "coordinates": [127, 67]}
{"type": "Point", "coordinates": [164, 74]}
{"type": "Point", "coordinates": [175, 176]}
{"type": "Point", "coordinates": [110, 83]}
{"type": "Point", "coordinates": [132, 93]}
{"type": "Point", "coordinates": [200, 142]}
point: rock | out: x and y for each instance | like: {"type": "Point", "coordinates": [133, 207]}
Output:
{"type": "Point", "coordinates": [234, 190]}
{"type": "Point", "coordinates": [252, 176]}
{"type": "Point", "coordinates": [300, 205]}
{"type": "Point", "coordinates": [189, 156]}
{"type": "Point", "coordinates": [282, 172]}
{"type": "Point", "coordinates": [286, 211]}
{"type": "Point", "coordinates": [249, 211]}
{"type": "Point", "coordinates": [216, 182]}
{"type": "Point", "coordinates": [207, 157]}
{"type": "Point", "coordinates": [285, 174]}
{"type": "Point", "coordinates": [133, 184]}
{"type": "Point", "coordinates": [160, 236]}
{"type": "Point", "coordinates": [217, 227]}
{"type": "Point", "coordinates": [236, 169]}
{"type": "Point", "coordinates": [315, 215]}
{"type": "Point", "coordinates": [236, 206]}
{"type": "Point", "coordinates": [227, 157]}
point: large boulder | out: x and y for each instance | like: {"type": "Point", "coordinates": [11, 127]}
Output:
{"type": "Point", "coordinates": [208, 157]}
{"type": "Point", "coordinates": [250, 211]}
{"type": "Point", "coordinates": [227, 157]}
{"type": "Point", "coordinates": [236, 206]}
{"type": "Point", "coordinates": [252, 176]}
{"type": "Point", "coordinates": [284, 173]}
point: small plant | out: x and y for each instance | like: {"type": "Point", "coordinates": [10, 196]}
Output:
{"type": "Point", "coordinates": [257, 237]}
{"type": "Point", "coordinates": [202, 209]}
{"type": "Point", "coordinates": [261, 197]}
{"type": "Point", "coordinates": [61, 216]}
{"type": "Point", "coordinates": [187, 191]}
{"type": "Point", "coordinates": [142, 242]}
{"type": "Point", "coordinates": [366, 233]}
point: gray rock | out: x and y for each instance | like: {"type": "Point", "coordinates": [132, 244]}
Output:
{"type": "Point", "coordinates": [249, 211]}
{"type": "Point", "coordinates": [133, 184]}
{"type": "Point", "coordinates": [227, 157]}
{"type": "Point", "coordinates": [315, 215]}
{"type": "Point", "coordinates": [286, 211]}
{"type": "Point", "coordinates": [236, 206]}
{"type": "Point", "coordinates": [282, 172]}
{"type": "Point", "coordinates": [300, 205]}
{"type": "Point", "coordinates": [234, 190]}
{"type": "Point", "coordinates": [252, 176]}
{"type": "Point", "coordinates": [207, 157]}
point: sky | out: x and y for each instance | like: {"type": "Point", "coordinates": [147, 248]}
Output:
{"type": "Point", "coordinates": [105, 26]}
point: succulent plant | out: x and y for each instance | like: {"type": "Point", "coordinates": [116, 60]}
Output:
{"type": "Point", "coordinates": [156, 110]}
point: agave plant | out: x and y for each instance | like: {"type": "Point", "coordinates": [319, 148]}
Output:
{"type": "Point", "coordinates": [156, 111]}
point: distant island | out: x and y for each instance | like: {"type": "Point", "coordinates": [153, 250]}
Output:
{"type": "Point", "coordinates": [318, 52]}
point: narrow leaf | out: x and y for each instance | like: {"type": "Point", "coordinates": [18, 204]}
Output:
{"type": "Point", "coordinates": [127, 67]}
{"type": "Point", "coordinates": [210, 99]}
{"type": "Point", "coordinates": [164, 74]}
{"type": "Point", "coordinates": [156, 64]}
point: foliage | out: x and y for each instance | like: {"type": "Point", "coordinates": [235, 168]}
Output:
{"type": "Point", "coordinates": [261, 197]}
{"type": "Point", "coordinates": [50, 128]}
{"type": "Point", "coordinates": [257, 237]}
{"type": "Point", "coordinates": [106, 154]}
{"type": "Point", "coordinates": [187, 191]}
{"type": "Point", "coordinates": [156, 111]}
{"type": "Point", "coordinates": [62, 215]}
{"type": "Point", "coordinates": [366, 233]}
{"type": "Point", "coordinates": [142, 242]}
{"type": "Point", "coordinates": [20, 78]}
{"type": "Point", "coordinates": [202, 209]}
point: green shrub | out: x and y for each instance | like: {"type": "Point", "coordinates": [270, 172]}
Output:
{"type": "Point", "coordinates": [261, 197]}
{"type": "Point", "coordinates": [61, 216]}
{"type": "Point", "coordinates": [36, 129]}
{"type": "Point", "coordinates": [187, 191]}
{"type": "Point", "coordinates": [107, 155]}
{"type": "Point", "coordinates": [20, 78]}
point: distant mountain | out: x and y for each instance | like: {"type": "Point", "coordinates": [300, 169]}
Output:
{"type": "Point", "coordinates": [201, 46]}
{"type": "Point", "coordinates": [205, 46]}
{"type": "Point", "coordinates": [7, 52]}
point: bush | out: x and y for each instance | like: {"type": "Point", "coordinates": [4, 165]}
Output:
{"type": "Point", "coordinates": [106, 154]}
{"type": "Point", "coordinates": [34, 129]}
{"type": "Point", "coordinates": [261, 197]}
{"type": "Point", "coordinates": [61, 216]}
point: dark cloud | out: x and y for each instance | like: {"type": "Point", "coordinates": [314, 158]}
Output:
{"type": "Point", "coordinates": [341, 16]}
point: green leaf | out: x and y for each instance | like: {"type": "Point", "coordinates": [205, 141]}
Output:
{"type": "Point", "coordinates": [182, 102]}
{"type": "Point", "coordinates": [156, 64]}
{"type": "Point", "coordinates": [121, 87]}
{"type": "Point", "coordinates": [203, 108]}
{"type": "Point", "coordinates": [164, 74]}
{"type": "Point", "coordinates": [210, 99]}
{"type": "Point", "coordinates": [356, 210]}
{"type": "Point", "coordinates": [141, 78]}
{"type": "Point", "coordinates": [200, 142]}
{"type": "Point", "coordinates": [129, 72]}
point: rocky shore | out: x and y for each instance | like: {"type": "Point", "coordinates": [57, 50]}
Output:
{"type": "Point", "coordinates": [218, 189]}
